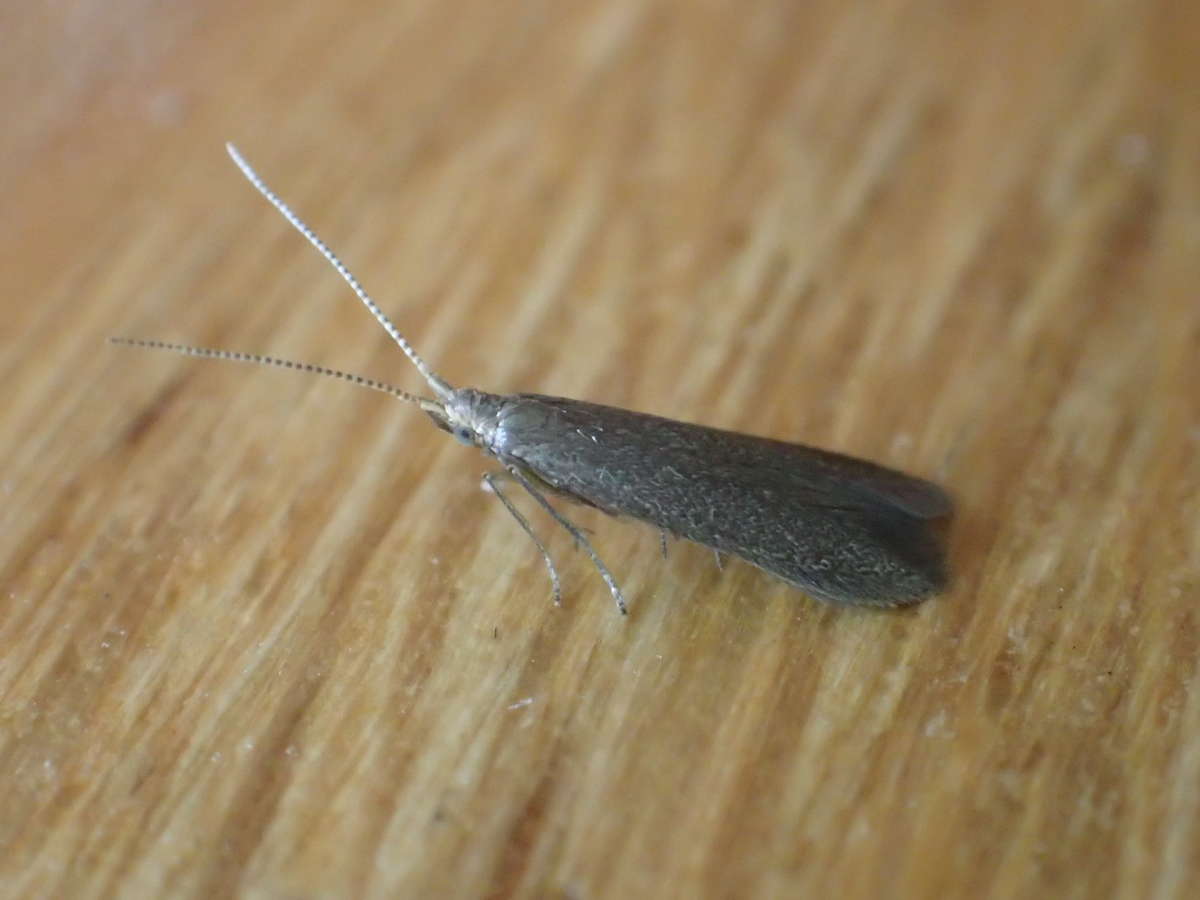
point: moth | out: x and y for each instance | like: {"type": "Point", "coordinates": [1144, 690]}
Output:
{"type": "Point", "coordinates": [843, 530]}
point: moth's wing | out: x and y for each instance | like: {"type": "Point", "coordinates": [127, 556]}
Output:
{"type": "Point", "coordinates": [914, 496]}
{"type": "Point", "coordinates": [842, 528]}
{"type": "Point", "coordinates": [852, 540]}
{"type": "Point", "coordinates": [854, 481]}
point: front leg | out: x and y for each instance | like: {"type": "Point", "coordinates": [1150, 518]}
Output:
{"type": "Point", "coordinates": [491, 481]}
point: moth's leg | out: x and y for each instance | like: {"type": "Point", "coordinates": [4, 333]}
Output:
{"type": "Point", "coordinates": [662, 543]}
{"type": "Point", "coordinates": [573, 530]}
{"type": "Point", "coordinates": [505, 475]}
{"type": "Point", "coordinates": [490, 480]}
{"type": "Point", "coordinates": [720, 557]}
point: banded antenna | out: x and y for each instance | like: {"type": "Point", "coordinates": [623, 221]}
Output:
{"type": "Point", "coordinates": [439, 385]}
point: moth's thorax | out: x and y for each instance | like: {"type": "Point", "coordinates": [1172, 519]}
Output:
{"type": "Point", "coordinates": [475, 417]}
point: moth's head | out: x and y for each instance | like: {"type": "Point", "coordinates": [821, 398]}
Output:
{"type": "Point", "coordinates": [471, 416]}
{"type": "Point", "coordinates": [460, 430]}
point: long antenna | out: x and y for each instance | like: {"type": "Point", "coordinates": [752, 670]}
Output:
{"type": "Point", "coordinates": [257, 359]}
{"type": "Point", "coordinates": [439, 385]}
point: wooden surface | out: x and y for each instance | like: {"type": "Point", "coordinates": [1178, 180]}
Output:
{"type": "Point", "coordinates": [264, 634]}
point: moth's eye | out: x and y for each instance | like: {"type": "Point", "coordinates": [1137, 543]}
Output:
{"type": "Point", "coordinates": [463, 434]}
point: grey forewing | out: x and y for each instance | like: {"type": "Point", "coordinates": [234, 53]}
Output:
{"type": "Point", "coordinates": [844, 529]}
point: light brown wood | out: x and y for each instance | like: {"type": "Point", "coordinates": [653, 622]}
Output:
{"type": "Point", "coordinates": [264, 634]}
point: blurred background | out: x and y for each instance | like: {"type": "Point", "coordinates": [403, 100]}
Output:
{"type": "Point", "coordinates": [263, 634]}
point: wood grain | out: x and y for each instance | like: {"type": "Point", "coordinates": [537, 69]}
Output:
{"type": "Point", "coordinates": [264, 635]}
